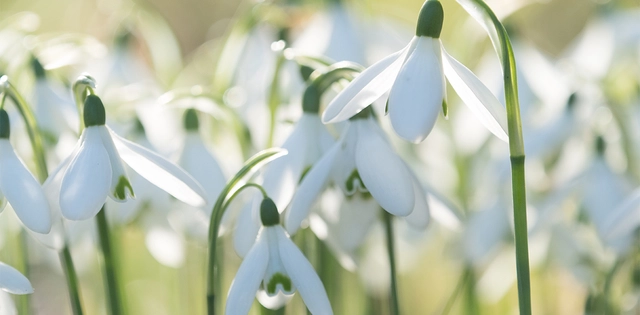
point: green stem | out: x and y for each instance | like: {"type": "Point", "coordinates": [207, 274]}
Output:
{"type": "Point", "coordinates": [216, 217]}
{"type": "Point", "coordinates": [471, 303]}
{"type": "Point", "coordinates": [42, 173]}
{"type": "Point", "coordinates": [394, 304]}
{"type": "Point", "coordinates": [111, 277]}
{"type": "Point", "coordinates": [454, 295]}
{"type": "Point", "coordinates": [502, 45]}
{"type": "Point", "coordinates": [72, 280]}
{"type": "Point", "coordinates": [24, 300]}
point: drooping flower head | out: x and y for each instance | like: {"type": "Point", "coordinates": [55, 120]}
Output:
{"type": "Point", "coordinates": [95, 170]}
{"type": "Point", "coordinates": [19, 187]}
{"type": "Point", "coordinates": [276, 266]}
{"type": "Point", "coordinates": [414, 79]}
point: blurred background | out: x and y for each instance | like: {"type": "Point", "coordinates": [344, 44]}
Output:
{"type": "Point", "coordinates": [579, 67]}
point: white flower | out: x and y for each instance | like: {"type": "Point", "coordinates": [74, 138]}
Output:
{"type": "Point", "coordinates": [275, 265]}
{"type": "Point", "coordinates": [415, 78]}
{"type": "Point", "coordinates": [12, 281]}
{"type": "Point", "coordinates": [19, 187]}
{"type": "Point", "coordinates": [95, 170]}
{"type": "Point", "coordinates": [362, 160]}
{"type": "Point", "coordinates": [306, 144]}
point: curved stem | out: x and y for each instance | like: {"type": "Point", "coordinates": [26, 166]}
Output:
{"type": "Point", "coordinates": [388, 224]}
{"type": "Point", "coordinates": [502, 45]}
{"type": "Point", "coordinates": [111, 277]}
{"type": "Point", "coordinates": [274, 98]}
{"type": "Point", "coordinates": [250, 166]}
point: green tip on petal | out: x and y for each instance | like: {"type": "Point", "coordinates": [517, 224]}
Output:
{"type": "Point", "coordinates": [305, 72]}
{"type": "Point", "coordinates": [571, 101]}
{"type": "Point", "coordinates": [5, 126]}
{"type": "Point", "coordinates": [311, 100]}
{"type": "Point", "coordinates": [123, 183]}
{"type": "Point", "coordinates": [281, 279]}
{"type": "Point", "coordinates": [94, 114]}
{"type": "Point", "coordinates": [445, 109]}
{"type": "Point", "coordinates": [38, 69]}
{"type": "Point", "coordinates": [269, 213]}
{"type": "Point", "coordinates": [191, 122]}
{"type": "Point", "coordinates": [430, 19]}
{"type": "Point", "coordinates": [351, 181]}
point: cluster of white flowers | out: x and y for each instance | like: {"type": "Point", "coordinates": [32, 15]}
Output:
{"type": "Point", "coordinates": [367, 155]}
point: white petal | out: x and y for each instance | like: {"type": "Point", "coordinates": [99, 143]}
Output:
{"type": "Point", "coordinates": [309, 190]}
{"type": "Point", "coordinates": [476, 96]}
{"type": "Point", "coordinates": [303, 276]}
{"type": "Point", "coordinates": [160, 172]}
{"type": "Point", "coordinates": [383, 172]}
{"type": "Point", "coordinates": [417, 94]}
{"type": "Point", "coordinates": [419, 217]}
{"type": "Point", "coordinates": [7, 307]}
{"type": "Point", "coordinates": [247, 226]}
{"type": "Point", "coordinates": [12, 281]}
{"type": "Point", "coordinates": [87, 180]}
{"type": "Point", "coordinates": [119, 179]}
{"type": "Point", "coordinates": [281, 177]}
{"type": "Point", "coordinates": [367, 87]}
{"type": "Point", "coordinates": [357, 216]}
{"type": "Point", "coordinates": [166, 246]}
{"type": "Point", "coordinates": [203, 166]}
{"type": "Point", "coordinates": [22, 191]}
{"type": "Point", "coordinates": [247, 281]}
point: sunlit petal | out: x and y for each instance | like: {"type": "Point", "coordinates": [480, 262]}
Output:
{"type": "Point", "coordinates": [12, 281]}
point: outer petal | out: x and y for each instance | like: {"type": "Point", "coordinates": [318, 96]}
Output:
{"type": "Point", "coordinates": [160, 172]}
{"type": "Point", "coordinates": [247, 226]}
{"type": "Point", "coordinates": [6, 304]}
{"type": "Point", "coordinates": [203, 166]}
{"type": "Point", "coordinates": [383, 172]}
{"type": "Point", "coordinates": [309, 190]}
{"type": "Point", "coordinates": [367, 87]}
{"type": "Point", "coordinates": [417, 94]}
{"type": "Point", "coordinates": [477, 96]}
{"type": "Point", "coordinates": [12, 281]}
{"type": "Point", "coordinates": [247, 281]}
{"type": "Point", "coordinates": [22, 191]}
{"type": "Point", "coordinates": [120, 183]}
{"type": "Point", "coordinates": [281, 177]}
{"type": "Point", "coordinates": [87, 180]}
{"type": "Point", "coordinates": [303, 276]}
{"type": "Point", "coordinates": [419, 217]}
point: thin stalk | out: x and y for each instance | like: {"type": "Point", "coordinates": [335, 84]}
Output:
{"type": "Point", "coordinates": [41, 167]}
{"type": "Point", "coordinates": [471, 303]}
{"type": "Point", "coordinates": [111, 277]}
{"type": "Point", "coordinates": [500, 39]}
{"type": "Point", "coordinates": [216, 217]}
{"type": "Point", "coordinates": [72, 280]}
{"type": "Point", "coordinates": [24, 301]}
{"type": "Point", "coordinates": [394, 304]}
{"type": "Point", "coordinates": [454, 295]}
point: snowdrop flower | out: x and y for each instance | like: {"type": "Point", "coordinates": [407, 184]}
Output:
{"type": "Point", "coordinates": [361, 161]}
{"type": "Point", "coordinates": [275, 265]}
{"type": "Point", "coordinates": [414, 78]}
{"type": "Point", "coordinates": [12, 281]}
{"type": "Point", "coordinates": [95, 170]}
{"type": "Point", "coordinates": [54, 110]}
{"type": "Point", "coordinates": [196, 159]}
{"type": "Point", "coordinates": [19, 187]}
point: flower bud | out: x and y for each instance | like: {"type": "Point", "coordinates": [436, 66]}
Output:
{"type": "Point", "coordinates": [430, 19]}
{"type": "Point", "coordinates": [94, 114]}
{"type": "Point", "coordinates": [269, 213]}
